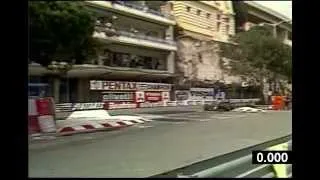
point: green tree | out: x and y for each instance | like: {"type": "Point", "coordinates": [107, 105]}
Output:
{"type": "Point", "coordinates": [60, 31]}
{"type": "Point", "coordinates": [259, 55]}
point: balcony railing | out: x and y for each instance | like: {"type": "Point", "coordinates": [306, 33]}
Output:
{"type": "Point", "coordinates": [142, 8]}
{"type": "Point", "coordinates": [141, 36]}
{"type": "Point", "coordinates": [112, 31]}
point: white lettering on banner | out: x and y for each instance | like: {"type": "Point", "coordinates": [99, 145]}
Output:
{"type": "Point", "coordinates": [117, 96]}
{"type": "Point", "coordinates": [112, 85]}
{"type": "Point", "coordinates": [153, 94]}
{"type": "Point", "coordinates": [96, 85]}
{"type": "Point", "coordinates": [87, 106]}
{"type": "Point", "coordinates": [123, 85]}
{"type": "Point", "coordinates": [140, 96]}
{"type": "Point", "coordinates": [153, 86]}
{"type": "Point", "coordinates": [122, 105]}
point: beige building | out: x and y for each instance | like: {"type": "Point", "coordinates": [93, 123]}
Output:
{"type": "Point", "coordinates": [201, 27]}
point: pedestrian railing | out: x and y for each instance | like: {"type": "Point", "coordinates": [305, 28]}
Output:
{"type": "Point", "coordinates": [236, 164]}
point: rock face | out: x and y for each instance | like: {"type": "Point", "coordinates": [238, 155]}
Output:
{"type": "Point", "coordinates": [200, 61]}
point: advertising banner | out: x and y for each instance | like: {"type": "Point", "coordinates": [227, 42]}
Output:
{"type": "Point", "coordinates": [165, 96]}
{"type": "Point", "coordinates": [128, 86]}
{"type": "Point", "coordinates": [117, 96]}
{"type": "Point", "coordinates": [120, 105]}
{"type": "Point", "coordinates": [153, 96]}
{"type": "Point", "coordinates": [182, 95]}
{"type": "Point", "coordinates": [140, 97]}
{"type": "Point", "coordinates": [201, 94]}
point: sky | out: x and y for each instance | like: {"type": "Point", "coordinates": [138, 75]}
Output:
{"type": "Point", "coordinates": [283, 7]}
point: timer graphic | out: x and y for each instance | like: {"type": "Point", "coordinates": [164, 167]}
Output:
{"type": "Point", "coordinates": [271, 157]}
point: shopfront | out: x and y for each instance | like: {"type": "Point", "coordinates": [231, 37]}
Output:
{"type": "Point", "coordinates": [123, 94]}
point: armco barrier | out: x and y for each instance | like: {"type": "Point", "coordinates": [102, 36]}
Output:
{"type": "Point", "coordinates": [68, 107]}
{"type": "Point", "coordinates": [236, 164]}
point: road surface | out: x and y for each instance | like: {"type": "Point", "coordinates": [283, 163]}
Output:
{"type": "Point", "coordinates": [170, 142]}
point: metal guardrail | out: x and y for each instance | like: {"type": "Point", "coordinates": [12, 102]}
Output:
{"type": "Point", "coordinates": [68, 107]}
{"type": "Point", "coordinates": [235, 164]}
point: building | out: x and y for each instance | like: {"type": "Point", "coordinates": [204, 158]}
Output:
{"type": "Point", "coordinates": [139, 55]}
{"type": "Point", "coordinates": [201, 27]}
{"type": "Point", "coordinates": [261, 15]}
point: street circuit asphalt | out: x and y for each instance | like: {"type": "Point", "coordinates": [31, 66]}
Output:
{"type": "Point", "coordinates": [143, 150]}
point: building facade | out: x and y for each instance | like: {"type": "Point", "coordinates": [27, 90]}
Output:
{"type": "Point", "coordinates": [138, 55]}
{"type": "Point", "coordinates": [201, 27]}
{"type": "Point", "coordinates": [261, 15]}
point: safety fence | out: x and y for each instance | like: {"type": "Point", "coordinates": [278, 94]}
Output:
{"type": "Point", "coordinates": [68, 107]}
{"type": "Point", "coordinates": [236, 164]}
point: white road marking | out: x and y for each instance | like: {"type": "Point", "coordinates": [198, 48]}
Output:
{"type": "Point", "coordinates": [138, 121]}
{"type": "Point", "coordinates": [96, 125]}
{"type": "Point", "coordinates": [114, 124]}
{"type": "Point", "coordinates": [128, 122]}
{"type": "Point", "coordinates": [141, 126]}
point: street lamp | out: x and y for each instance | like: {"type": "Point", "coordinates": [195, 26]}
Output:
{"type": "Point", "coordinates": [62, 69]}
{"type": "Point", "coordinates": [275, 26]}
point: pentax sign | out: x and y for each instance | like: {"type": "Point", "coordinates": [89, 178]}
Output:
{"type": "Point", "coordinates": [128, 86]}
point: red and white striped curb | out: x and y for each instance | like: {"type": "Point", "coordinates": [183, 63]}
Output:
{"type": "Point", "coordinates": [98, 125]}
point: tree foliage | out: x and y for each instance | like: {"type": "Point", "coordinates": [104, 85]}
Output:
{"type": "Point", "coordinates": [258, 53]}
{"type": "Point", "coordinates": [60, 31]}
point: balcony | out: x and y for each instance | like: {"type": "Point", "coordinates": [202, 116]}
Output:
{"type": "Point", "coordinates": [139, 11]}
{"type": "Point", "coordinates": [142, 8]}
{"type": "Point", "coordinates": [110, 35]}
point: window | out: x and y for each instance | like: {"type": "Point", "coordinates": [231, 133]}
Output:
{"type": "Point", "coordinates": [218, 16]}
{"type": "Point", "coordinates": [208, 15]}
{"type": "Point", "coordinates": [226, 20]}
{"type": "Point", "coordinates": [188, 9]}
{"type": "Point", "coordinates": [198, 12]}
{"type": "Point", "coordinates": [227, 29]}
{"type": "Point", "coordinates": [218, 26]}
{"type": "Point", "coordinates": [200, 57]}
{"type": "Point", "coordinates": [171, 6]}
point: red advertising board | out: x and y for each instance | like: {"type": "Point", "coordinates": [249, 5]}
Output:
{"type": "Point", "coordinates": [153, 96]}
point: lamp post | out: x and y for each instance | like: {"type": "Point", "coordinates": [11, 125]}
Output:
{"type": "Point", "coordinates": [62, 69]}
